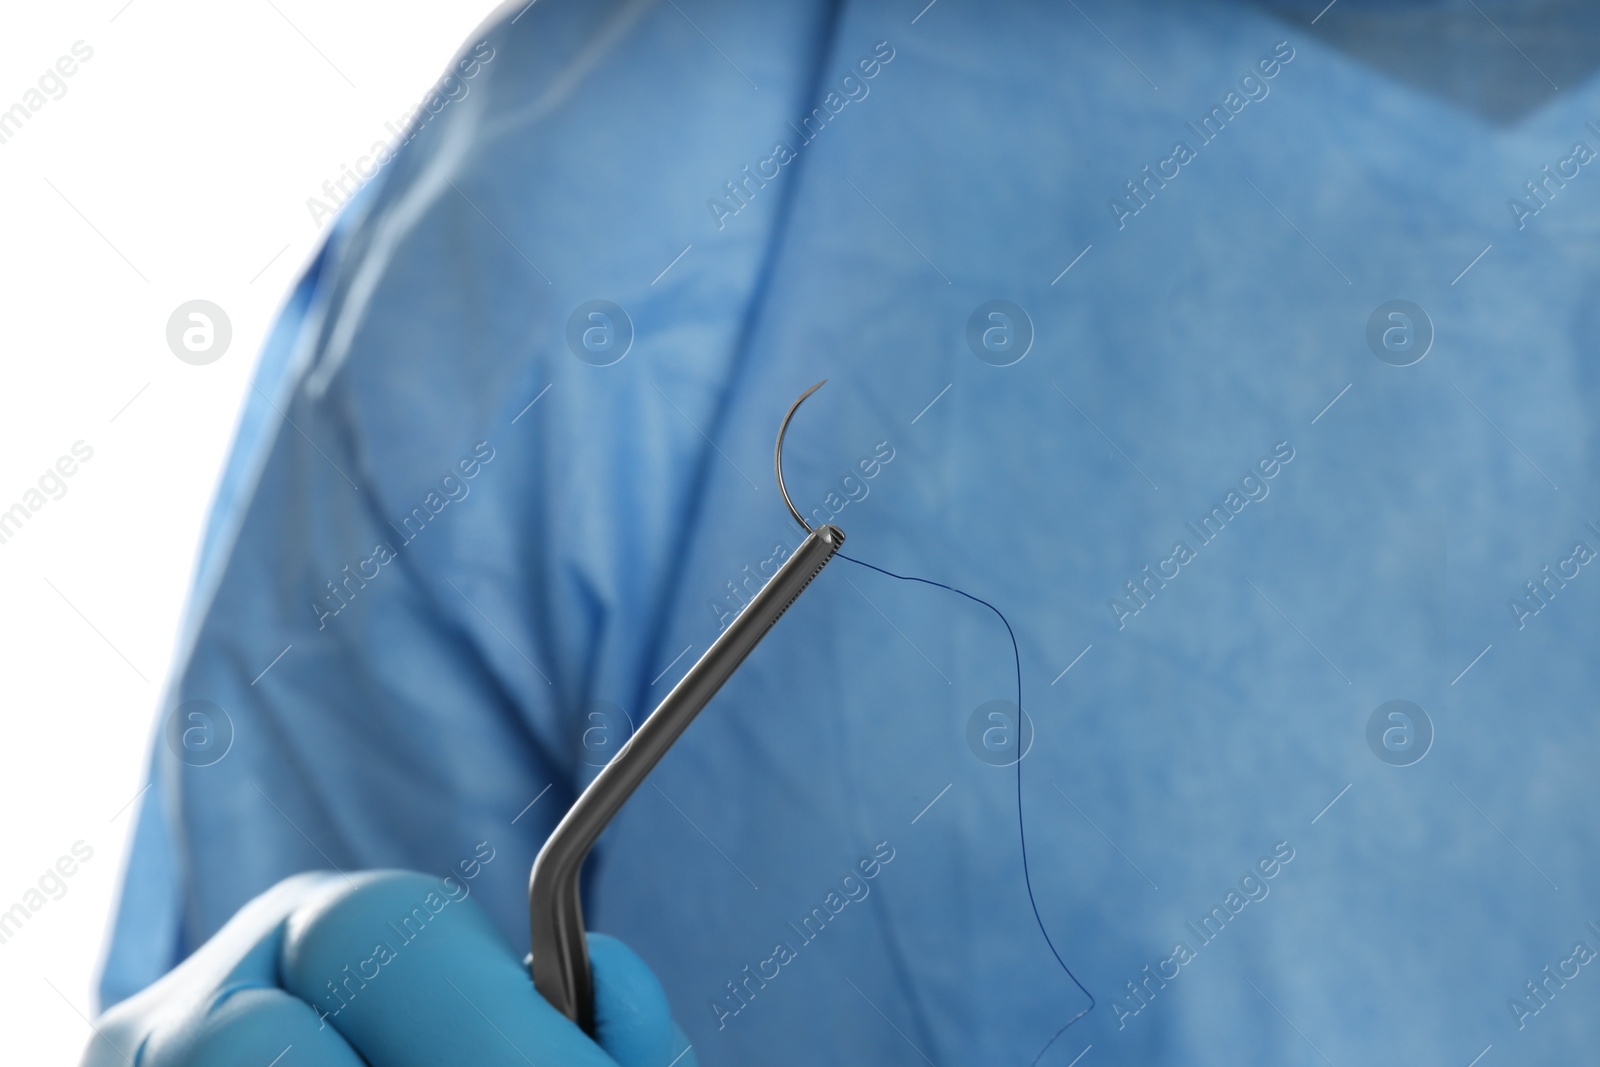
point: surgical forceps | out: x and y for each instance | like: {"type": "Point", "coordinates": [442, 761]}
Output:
{"type": "Point", "coordinates": [560, 955]}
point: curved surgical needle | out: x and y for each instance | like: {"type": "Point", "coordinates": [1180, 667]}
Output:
{"type": "Point", "coordinates": [777, 454]}
{"type": "Point", "coordinates": [561, 970]}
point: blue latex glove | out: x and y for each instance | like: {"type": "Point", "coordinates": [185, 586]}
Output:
{"type": "Point", "coordinates": [389, 969]}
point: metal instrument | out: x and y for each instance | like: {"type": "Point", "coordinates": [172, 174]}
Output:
{"type": "Point", "coordinates": [561, 970]}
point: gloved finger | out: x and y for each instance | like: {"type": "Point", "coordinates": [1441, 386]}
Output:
{"type": "Point", "coordinates": [413, 974]}
{"type": "Point", "coordinates": [250, 1025]}
{"type": "Point", "coordinates": [633, 1021]}
{"type": "Point", "coordinates": [242, 954]}
{"type": "Point", "coordinates": [178, 1009]}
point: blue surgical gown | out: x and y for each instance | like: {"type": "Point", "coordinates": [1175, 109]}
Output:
{"type": "Point", "coordinates": [1213, 351]}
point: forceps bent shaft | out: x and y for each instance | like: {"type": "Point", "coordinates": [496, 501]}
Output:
{"type": "Point", "coordinates": [561, 971]}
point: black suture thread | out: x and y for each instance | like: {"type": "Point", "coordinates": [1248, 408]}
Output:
{"type": "Point", "coordinates": [1022, 834]}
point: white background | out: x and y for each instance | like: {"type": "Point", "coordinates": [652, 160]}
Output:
{"type": "Point", "coordinates": [191, 142]}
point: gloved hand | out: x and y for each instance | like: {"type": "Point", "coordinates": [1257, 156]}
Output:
{"type": "Point", "coordinates": [386, 969]}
